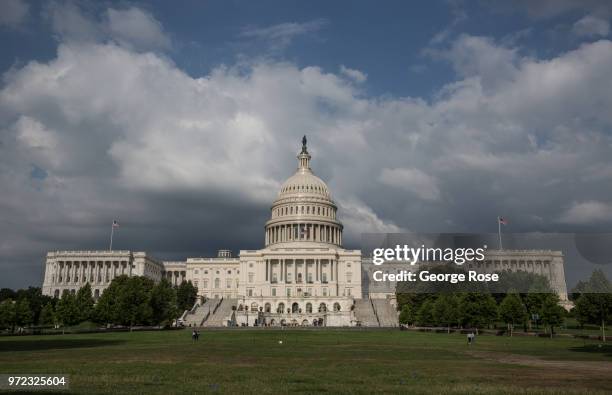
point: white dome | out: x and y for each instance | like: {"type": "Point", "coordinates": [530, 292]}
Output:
{"type": "Point", "coordinates": [304, 182]}
{"type": "Point", "coordinates": [304, 210]}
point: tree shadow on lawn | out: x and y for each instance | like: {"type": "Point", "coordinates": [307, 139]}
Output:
{"type": "Point", "coordinates": [605, 349]}
{"type": "Point", "coordinates": [54, 344]}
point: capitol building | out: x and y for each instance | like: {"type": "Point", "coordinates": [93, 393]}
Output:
{"type": "Point", "coordinates": [302, 276]}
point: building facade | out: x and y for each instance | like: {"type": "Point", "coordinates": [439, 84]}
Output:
{"type": "Point", "coordinates": [302, 276]}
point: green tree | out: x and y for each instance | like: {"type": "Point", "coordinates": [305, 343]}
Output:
{"type": "Point", "coordinates": [186, 295]}
{"type": "Point", "coordinates": [425, 313]}
{"type": "Point", "coordinates": [23, 313]}
{"type": "Point", "coordinates": [84, 302]}
{"type": "Point", "coordinates": [7, 314]}
{"type": "Point", "coordinates": [446, 310]}
{"type": "Point", "coordinates": [512, 311]}
{"type": "Point", "coordinates": [106, 311]}
{"type": "Point", "coordinates": [67, 310]}
{"type": "Point", "coordinates": [163, 302]}
{"type": "Point", "coordinates": [477, 309]}
{"type": "Point", "coordinates": [407, 315]}
{"type": "Point", "coordinates": [594, 305]}
{"type": "Point", "coordinates": [134, 302]}
{"type": "Point", "coordinates": [47, 315]}
{"type": "Point", "coordinates": [551, 313]}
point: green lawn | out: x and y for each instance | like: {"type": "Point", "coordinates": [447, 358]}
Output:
{"type": "Point", "coordinates": [253, 361]}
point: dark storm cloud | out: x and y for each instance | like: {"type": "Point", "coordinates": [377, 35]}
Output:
{"type": "Point", "coordinates": [191, 165]}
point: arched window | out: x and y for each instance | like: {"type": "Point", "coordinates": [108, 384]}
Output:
{"type": "Point", "coordinates": [56, 294]}
{"type": "Point", "coordinates": [336, 306]}
{"type": "Point", "coordinates": [309, 307]}
{"type": "Point", "coordinates": [305, 323]}
{"type": "Point", "coordinates": [254, 306]}
{"type": "Point", "coordinates": [281, 308]}
{"type": "Point", "coordinates": [295, 308]}
{"type": "Point", "coordinates": [322, 308]}
{"type": "Point", "coordinates": [268, 307]}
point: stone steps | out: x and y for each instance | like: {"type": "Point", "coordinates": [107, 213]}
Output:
{"type": "Point", "coordinates": [386, 313]}
{"type": "Point", "coordinates": [222, 314]}
{"type": "Point", "coordinates": [365, 313]}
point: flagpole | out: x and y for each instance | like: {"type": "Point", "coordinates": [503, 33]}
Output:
{"type": "Point", "coordinates": [499, 232]}
{"type": "Point", "coordinates": [111, 238]}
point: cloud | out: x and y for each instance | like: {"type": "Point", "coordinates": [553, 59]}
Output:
{"type": "Point", "coordinates": [553, 8]}
{"type": "Point", "coordinates": [190, 165]}
{"type": "Point", "coordinates": [481, 57]}
{"type": "Point", "coordinates": [413, 180]}
{"type": "Point", "coordinates": [353, 74]}
{"type": "Point", "coordinates": [132, 27]}
{"type": "Point", "coordinates": [587, 213]}
{"type": "Point", "coordinates": [13, 13]}
{"type": "Point", "coordinates": [281, 35]}
{"type": "Point", "coordinates": [591, 26]}
{"type": "Point", "coordinates": [358, 218]}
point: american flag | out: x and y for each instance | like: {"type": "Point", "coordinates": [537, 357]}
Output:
{"type": "Point", "coordinates": [115, 224]}
{"type": "Point", "coordinates": [502, 220]}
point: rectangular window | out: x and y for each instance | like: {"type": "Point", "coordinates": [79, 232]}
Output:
{"type": "Point", "coordinates": [228, 283]}
{"type": "Point", "coordinates": [349, 277]}
{"type": "Point", "coordinates": [289, 292]}
{"type": "Point", "coordinates": [205, 283]}
{"type": "Point", "coordinates": [348, 292]}
{"type": "Point", "coordinates": [251, 277]}
{"type": "Point", "coordinates": [273, 291]}
{"type": "Point", "coordinates": [250, 292]}
{"type": "Point", "coordinates": [324, 291]}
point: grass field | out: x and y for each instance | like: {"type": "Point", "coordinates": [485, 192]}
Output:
{"type": "Point", "coordinates": [253, 361]}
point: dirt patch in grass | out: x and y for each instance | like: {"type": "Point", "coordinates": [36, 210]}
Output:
{"type": "Point", "coordinates": [528, 360]}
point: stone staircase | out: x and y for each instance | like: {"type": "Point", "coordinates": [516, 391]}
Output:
{"type": "Point", "coordinates": [220, 313]}
{"type": "Point", "coordinates": [364, 313]}
{"type": "Point", "coordinates": [198, 313]}
{"type": "Point", "coordinates": [385, 312]}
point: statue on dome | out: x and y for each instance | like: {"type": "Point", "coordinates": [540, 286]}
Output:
{"type": "Point", "coordinates": [304, 151]}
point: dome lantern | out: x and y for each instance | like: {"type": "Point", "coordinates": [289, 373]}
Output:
{"type": "Point", "coordinates": [304, 157]}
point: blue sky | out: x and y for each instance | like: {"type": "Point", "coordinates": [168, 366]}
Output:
{"type": "Point", "coordinates": [387, 42]}
{"type": "Point", "coordinates": [182, 122]}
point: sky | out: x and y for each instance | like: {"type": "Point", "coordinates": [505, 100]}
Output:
{"type": "Point", "coordinates": [182, 120]}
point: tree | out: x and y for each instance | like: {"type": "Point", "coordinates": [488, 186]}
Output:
{"type": "Point", "coordinates": [477, 309]}
{"type": "Point", "coordinates": [512, 311]}
{"type": "Point", "coordinates": [594, 304]}
{"type": "Point", "coordinates": [134, 302]}
{"type": "Point", "coordinates": [163, 302]}
{"type": "Point", "coordinates": [36, 300]}
{"type": "Point", "coordinates": [446, 310]}
{"type": "Point", "coordinates": [407, 315]}
{"type": "Point", "coordinates": [186, 295]}
{"type": "Point", "coordinates": [425, 313]}
{"type": "Point", "coordinates": [6, 294]}
{"type": "Point", "coordinates": [84, 303]}
{"type": "Point", "coordinates": [551, 313]}
{"type": "Point", "coordinates": [67, 310]}
{"type": "Point", "coordinates": [7, 314]}
{"type": "Point", "coordinates": [106, 310]}
{"type": "Point", "coordinates": [47, 315]}
{"type": "Point", "coordinates": [23, 313]}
